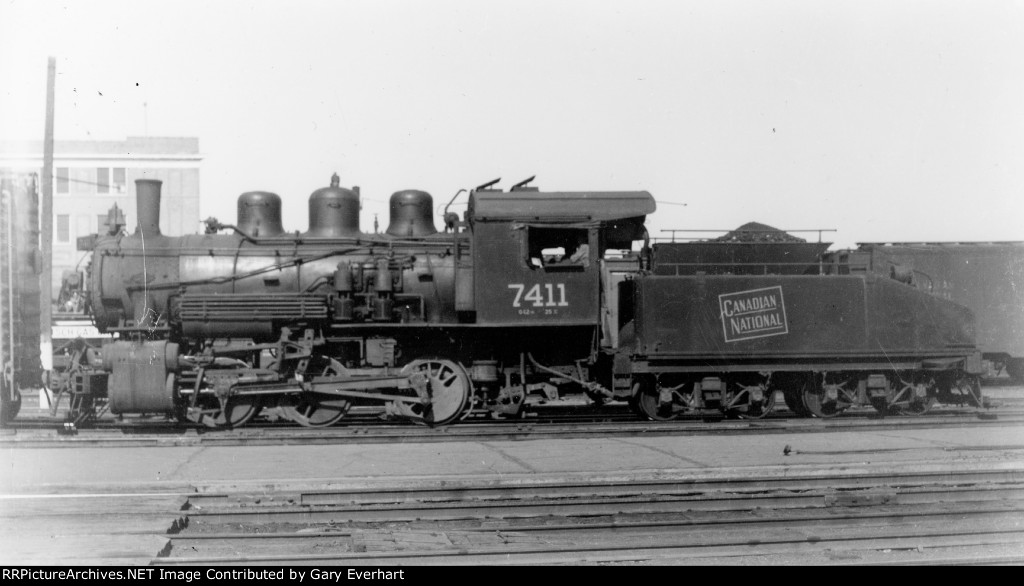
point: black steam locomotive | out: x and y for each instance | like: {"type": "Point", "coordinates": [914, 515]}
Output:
{"type": "Point", "coordinates": [528, 293]}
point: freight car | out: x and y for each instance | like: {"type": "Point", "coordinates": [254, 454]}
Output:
{"type": "Point", "coordinates": [987, 277]}
{"type": "Point", "coordinates": [528, 292]}
{"type": "Point", "coordinates": [20, 265]}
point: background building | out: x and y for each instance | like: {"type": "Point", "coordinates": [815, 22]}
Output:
{"type": "Point", "coordinates": [92, 175]}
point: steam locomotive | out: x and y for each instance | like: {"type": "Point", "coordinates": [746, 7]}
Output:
{"type": "Point", "coordinates": [527, 293]}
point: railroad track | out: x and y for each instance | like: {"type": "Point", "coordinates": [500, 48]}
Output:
{"type": "Point", "coordinates": [970, 516]}
{"type": "Point", "coordinates": [939, 507]}
{"type": "Point", "coordinates": [144, 433]}
{"type": "Point", "coordinates": [569, 410]}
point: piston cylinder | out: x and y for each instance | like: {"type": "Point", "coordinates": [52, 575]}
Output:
{"type": "Point", "coordinates": [142, 376]}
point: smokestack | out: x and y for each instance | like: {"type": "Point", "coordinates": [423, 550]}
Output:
{"type": "Point", "coordinates": [147, 199]}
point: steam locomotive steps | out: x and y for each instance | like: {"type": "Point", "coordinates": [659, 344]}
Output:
{"type": "Point", "coordinates": [930, 517]}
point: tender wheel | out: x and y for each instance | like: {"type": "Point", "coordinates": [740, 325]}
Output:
{"type": "Point", "coordinates": [819, 401]}
{"type": "Point", "coordinates": [759, 410]}
{"type": "Point", "coordinates": [918, 407]}
{"type": "Point", "coordinates": [447, 386]}
{"type": "Point", "coordinates": [795, 402]}
{"type": "Point", "coordinates": [881, 404]}
{"type": "Point", "coordinates": [313, 410]}
{"type": "Point", "coordinates": [648, 405]}
{"type": "Point", "coordinates": [792, 392]}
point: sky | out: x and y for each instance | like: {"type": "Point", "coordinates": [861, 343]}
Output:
{"type": "Point", "coordinates": [886, 120]}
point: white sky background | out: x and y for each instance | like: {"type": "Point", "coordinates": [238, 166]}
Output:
{"type": "Point", "coordinates": [885, 120]}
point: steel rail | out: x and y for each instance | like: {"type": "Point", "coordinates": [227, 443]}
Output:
{"type": "Point", "coordinates": [455, 491]}
{"type": "Point", "coordinates": [680, 548]}
{"type": "Point", "coordinates": [54, 435]}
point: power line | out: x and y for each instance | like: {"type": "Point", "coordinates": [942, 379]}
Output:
{"type": "Point", "coordinates": [107, 185]}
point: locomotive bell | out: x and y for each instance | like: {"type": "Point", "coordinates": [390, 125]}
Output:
{"type": "Point", "coordinates": [259, 214]}
{"type": "Point", "coordinates": [334, 211]}
{"type": "Point", "coordinates": [412, 214]}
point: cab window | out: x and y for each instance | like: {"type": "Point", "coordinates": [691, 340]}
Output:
{"type": "Point", "coordinates": [557, 248]}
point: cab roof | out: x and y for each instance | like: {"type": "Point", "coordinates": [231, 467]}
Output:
{"type": "Point", "coordinates": [567, 206]}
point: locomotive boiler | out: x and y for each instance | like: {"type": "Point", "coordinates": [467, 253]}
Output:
{"type": "Point", "coordinates": [529, 292]}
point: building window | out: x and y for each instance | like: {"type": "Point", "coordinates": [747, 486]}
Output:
{"type": "Point", "coordinates": [103, 180]}
{"type": "Point", "coordinates": [101, 224]}
{"type": "Point", "coordinates": [62, 179]}
{"type": "Point", "coordinates": [110, 180]}
{"type": "Point", "coordinates": [119, 181]}
{"type": "Point", "coordinates": [63, 228]}
{"type": "Point", "coordinates": [83, 180]}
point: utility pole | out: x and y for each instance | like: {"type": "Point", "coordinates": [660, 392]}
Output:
{"type": "Point", "coordinates": [46, 226]}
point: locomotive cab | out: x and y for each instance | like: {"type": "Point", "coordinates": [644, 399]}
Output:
{"type": "Point", "coordinates": [536, 255]}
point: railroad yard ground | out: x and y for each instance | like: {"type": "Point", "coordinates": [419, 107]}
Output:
{"type": "Point", "coordinates": [815, 493]}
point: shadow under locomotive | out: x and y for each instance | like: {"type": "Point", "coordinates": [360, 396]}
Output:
{"type": "Point", "coordinates": [530, 292]}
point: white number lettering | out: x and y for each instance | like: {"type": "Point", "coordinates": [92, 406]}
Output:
{"type": "Point", "coordinates": [551, 295]}
{"type": "Point", "coordinates": [534, 295]}
{"type": "Point", "coordinates": [519, 293]}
